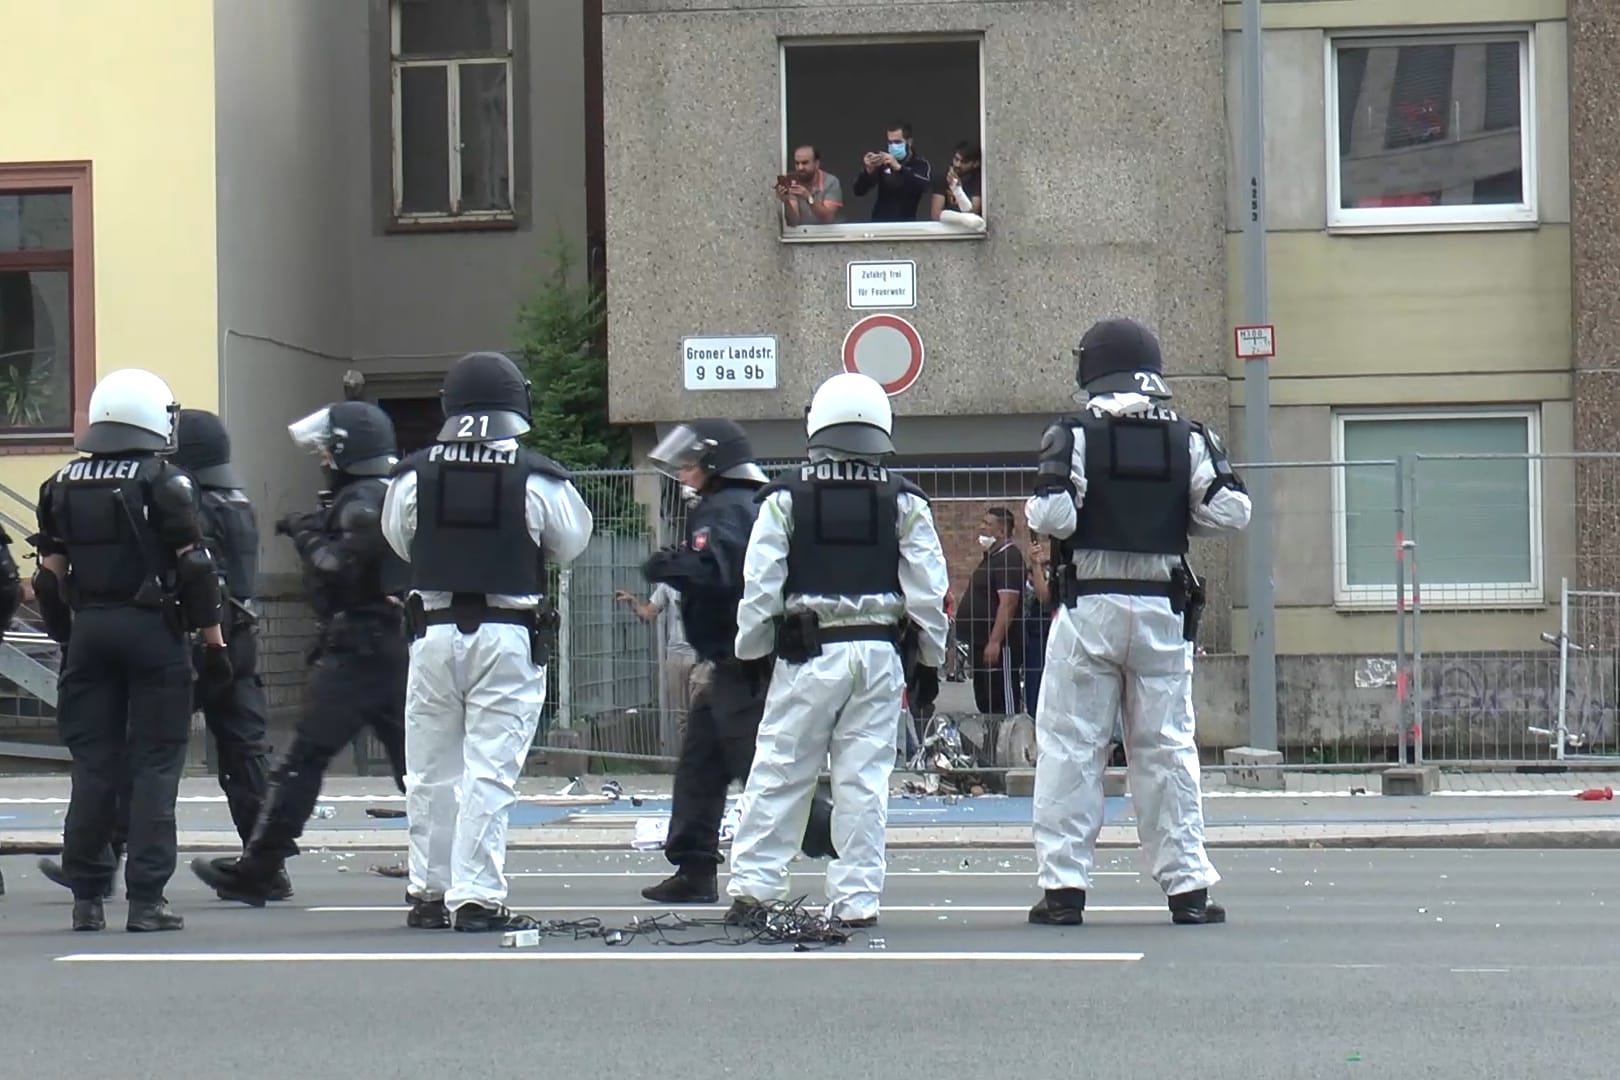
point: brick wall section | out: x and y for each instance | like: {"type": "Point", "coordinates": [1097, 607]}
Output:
{"type": "Point", "coordinates": [958, 525]}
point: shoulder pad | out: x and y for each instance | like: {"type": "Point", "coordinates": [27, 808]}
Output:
{"type": "Point", "coordinates": [406, 464]}
{"type": "Point", "coordinates": [173, 489]}
{"type": "Point", "coordinates": [1211, 440]}
{"type": "Point", "coordinates": [358, 515]}
{"type": "Point", "coordinates": [5, 537]}
{"type": "Point", "coordinates": [1059, 434]}
{"type": "Point", "coordinates": [770, 489]}
{"type": "Point", "coordinates": [906, 487]}
{"type": "Point", "coordinates": [540, 463]}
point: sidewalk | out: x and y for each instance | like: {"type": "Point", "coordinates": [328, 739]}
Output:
{"type": "Point", "coordinates": [1472, 810]}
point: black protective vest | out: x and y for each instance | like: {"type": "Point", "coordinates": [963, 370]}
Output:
{"type": "Point", "coordinates": [1138, 474]}
{"type": "Point", "coordinates": [375, 572]}
{"type": "Point", "coordinates": [846, 538]}
{"type": "Point", "coordinates": [720, 522]}
{"type": "Point", "coordinates": [99, 505]}
{"type": "Point", "coordinates": [472, 532]}
{"type": "Point", "coordinates": [231, 531]}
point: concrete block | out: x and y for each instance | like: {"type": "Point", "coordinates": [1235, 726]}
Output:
{"type": "Point", "coordinates": [1411, 780]}
{"type": "Point", "coordinates": [1248, 773]}
{"type": "Point", "coordinates": [1114, 783]}
{"type": "Point", "coordinates": [1021, 782]}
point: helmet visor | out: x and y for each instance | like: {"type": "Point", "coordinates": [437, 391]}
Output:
{"type": "Point", "coordinates": [680, 448]}
{"type": "Point", "coordinates": [313, 433]}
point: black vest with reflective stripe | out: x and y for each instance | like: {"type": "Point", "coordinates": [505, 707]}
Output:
{"type": "Point", "coordinates": [99, 506]}
{"type": "Point", "coordinates": [846, 537]}
{"type": "Point", "coordinates": [472, 532]}
{"type": "Point", "coordinates": [1138, 473]}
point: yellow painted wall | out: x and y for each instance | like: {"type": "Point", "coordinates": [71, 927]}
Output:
{"type": "Point", "coordinates": [130, 88]}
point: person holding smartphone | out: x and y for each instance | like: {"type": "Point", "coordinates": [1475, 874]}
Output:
{"type": "Point", "coordinates": [809, 195]}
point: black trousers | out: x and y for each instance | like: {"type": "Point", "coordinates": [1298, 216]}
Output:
{"type": "Point", "coordinates": [124, 713]}
{"type": "Point", "coordinates": [997, 690]}
{"type": "Point", "coordinates": [357, 681]}
{"type": "Point", "coordinates": [721, 727]}
{"type": "Point", "coordinates": [238, 719]}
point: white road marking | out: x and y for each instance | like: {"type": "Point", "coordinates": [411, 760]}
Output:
{"type": "Point", "coordinates": [595, 957]}
{"type": "Point", "coordinates": [893, 873]}
{"type": "Point", "coordinates": [678, 909]}
{"type": "Point", "coordinates": [1479, 971]}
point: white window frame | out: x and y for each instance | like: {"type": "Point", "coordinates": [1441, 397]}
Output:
{"type": "Point", "coordinates": [1435, 218]}
{"type": "Point", "coordinates": [1475, 595]}
{"type": "Point", "coordinates": [847, 232]}
{"type": "Point", "coordinates": [452, 66]}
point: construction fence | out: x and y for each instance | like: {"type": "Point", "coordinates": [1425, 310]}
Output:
{"type": "Point", "coordinates": [1458, 608]}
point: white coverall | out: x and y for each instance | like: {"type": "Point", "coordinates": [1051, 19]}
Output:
{"type": "Point", "coordinates": [472, 704]}
{"type": "Point", "coordinates": [1111, 649]}
{"type": "Point", "coordinates": [844, 702]}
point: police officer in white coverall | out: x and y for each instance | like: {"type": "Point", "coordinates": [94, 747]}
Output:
{"type": "Point", "coordinates": [1122, 486]}
{"type": "Point", "coordinates": [478, 517]}
{"type": "Point", "coordinates": [842, 553]}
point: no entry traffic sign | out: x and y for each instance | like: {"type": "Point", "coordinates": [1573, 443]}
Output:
{"type": "Point", "coordinates": [887, 348]}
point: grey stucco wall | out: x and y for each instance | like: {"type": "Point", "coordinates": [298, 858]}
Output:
{"type": "Point", "coordinates": [1105, 193]}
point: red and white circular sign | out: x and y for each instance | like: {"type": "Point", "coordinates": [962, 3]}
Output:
{"type": "Point", "coordinates": [887, 348]}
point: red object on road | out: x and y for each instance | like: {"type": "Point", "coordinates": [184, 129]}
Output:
{"type": "Point", "coordinates": [1596, 794]}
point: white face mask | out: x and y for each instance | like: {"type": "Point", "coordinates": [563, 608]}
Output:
{"type": "Point", "coordinates": [689, 494]}
{"type": "Point", "coordinates": [987, 542]}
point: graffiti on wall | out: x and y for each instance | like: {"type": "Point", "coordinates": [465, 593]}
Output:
{"type": "Point", "coordinates": [1496, 699]}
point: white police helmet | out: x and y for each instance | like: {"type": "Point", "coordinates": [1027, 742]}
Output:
{"type": "Point", "coordinates": [130, 409]}
{"type": "Point", "coordinates": [851, 415]}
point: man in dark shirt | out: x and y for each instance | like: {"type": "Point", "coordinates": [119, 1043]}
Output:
{"type": "Point", "coordinates": [899, 173]}
{"type": "Point", "coordinates": [987, 617]}
{"type": "Point", "coordinates": [960, 189]}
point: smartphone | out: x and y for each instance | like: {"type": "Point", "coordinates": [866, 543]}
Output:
{"type": "Point", "coordinates": [785, 180]}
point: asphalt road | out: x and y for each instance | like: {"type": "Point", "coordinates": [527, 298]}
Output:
{"type": "Point", "coordinates": [1360, 964]}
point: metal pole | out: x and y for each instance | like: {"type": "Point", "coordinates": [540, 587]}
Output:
{"type": "Point", "coordinates": [563, 661]}
{"type": "Point", "coordinates": [1403, 685]}
{"type": "Point", "coordinates": [1257, 399]}
{"type": "Point", "coordinates": [1563, 667]}
{"type": "Point", "coordinates": [1417, 615]}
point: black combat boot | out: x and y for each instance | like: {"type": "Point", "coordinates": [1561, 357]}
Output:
{"type": "Point", "coordinates": [52, 872]}
{"type": "Point", "coordinates": [243, 879]}
{"type": "Point", "coordinates": [427, 914]}
{"type": "Point", "coordinates": [481, 919]}
{"type": "Point", "coordinates": [1060, 907]}
{"type": "Point", "coordinates": [151, 916]}
{"type": "Point", "coordinates": [88, 915]}
{"type": "Point", "coordinates": [1195, 909]}
{"type": "Point", "coordinates": [690, 884]}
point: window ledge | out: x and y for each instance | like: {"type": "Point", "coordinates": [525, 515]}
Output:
{"type": "Point", "coordinates": [458, 223]}
{"type": "Point", "coordinates": [1476, 599]}
{"type": "Point", "coordinates": [1397, 226]}
{"type": "Point", "coordinates": [19, 444]}
{"type": "Point", "coordinates": [857, 232]}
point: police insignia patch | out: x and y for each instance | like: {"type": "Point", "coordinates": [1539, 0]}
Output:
{"type": "Point", "coordinates": [700, 539]}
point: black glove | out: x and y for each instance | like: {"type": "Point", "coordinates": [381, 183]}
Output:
{"type": "Point", "coordinates": [925, 691]}
{"type": "Point", "coordinates": [216, 670]}
{"type": "Point", "coordinates": [293, 524]}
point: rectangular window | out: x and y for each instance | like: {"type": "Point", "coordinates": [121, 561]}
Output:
{"type": "Point", "coordinates": [1475, 512]}
{"type": "Point", "coordinates": [47, 303]}
{"type": "Point", "coordinates": [1430, 131]}
{"type": "Point", "coordinates": [843, 99]}
{"type": "Point", "coordinates": [452, 105]}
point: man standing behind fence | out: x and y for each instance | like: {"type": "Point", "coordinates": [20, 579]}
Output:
{"type": "Point", "coordinates": [1123, 485]}
{"type": "Point", "coordinates": [477, 517]}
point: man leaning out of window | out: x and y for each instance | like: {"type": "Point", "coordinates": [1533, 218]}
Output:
{"type": "Point", "coordinates": [958, 197]}
{"type": "Point", "coordinates": [809, 195]}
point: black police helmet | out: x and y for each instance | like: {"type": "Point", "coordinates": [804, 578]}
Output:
{"type": "Point", "coordinates": [485, 398]}
{"type": "Point", "coordinates": [203, 448]}
{"type": "Point", "coordinates": [1118, 356]}
{"type": "Point", "coordinates": [362, 439]}
{"type": "Point", "coordinates": [717, 446]}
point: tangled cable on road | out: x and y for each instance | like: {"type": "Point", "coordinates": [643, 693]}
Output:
{"type": "Point", "coordinates": [784, 922]}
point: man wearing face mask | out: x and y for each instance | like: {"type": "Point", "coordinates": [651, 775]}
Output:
{"type": "Point", "coordinates": [987, 617]}
{"type": "Point", "coordinates": [901, 175]}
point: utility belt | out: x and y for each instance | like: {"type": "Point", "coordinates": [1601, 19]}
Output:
{"type": "Point", "coordinates": [468, 611]}
{"type": "Point", "coordinates": [1184, 590]}
{"type": "Point", "coordinates": [150, 596]}
{"type": "Point", "coordinates": [800, 636]}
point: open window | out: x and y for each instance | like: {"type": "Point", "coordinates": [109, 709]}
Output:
{"type": "Point", "coordinates": [1431, 131]}
{"type": "Point", "coordinates": [843, 99]}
